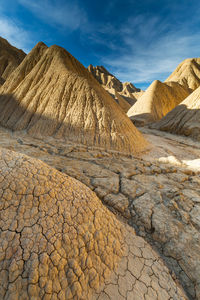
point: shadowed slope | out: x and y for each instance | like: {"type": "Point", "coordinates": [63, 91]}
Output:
{"type": "Point", "coordinates": [157, 101]}
{"type": "Point", "coordinates": [51, 93]}
{"type": "Point", "coordinates": [26, 66]}
{"type": "Point", "coordinates": [187, 73]}
{"type": "Point", "coordinates": [58, 241]}
{"type": "Point", "coordinates": [185, 118]}
{"type": "Point", "coordinates": [10, 58]}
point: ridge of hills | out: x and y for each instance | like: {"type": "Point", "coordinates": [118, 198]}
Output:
{"type": "Point", "coordinates": [52, 94]}
{"type": "Point", "coordinates": [125, 94]}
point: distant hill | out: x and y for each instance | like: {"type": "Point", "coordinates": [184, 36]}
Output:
{"type": "Point", "coordinates": [125, 94]}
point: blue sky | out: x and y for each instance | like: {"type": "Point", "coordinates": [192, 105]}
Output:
{"type": "Point", "coordinates": [138, 41]}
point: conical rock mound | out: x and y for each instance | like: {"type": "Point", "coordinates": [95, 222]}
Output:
{"type": "Point", "coordinates": [156, 102]}
{"type": "Point", "coordinates": [10, 58]}
{"type": "Point", "coordinates": [187, 73]}
{"type": "Point", "coordinates": [52, 94]}
{"type": "Point", "coordinates": [115, 87]}
{"type": "Point", "coordinates": [183, 119]}
{"type": "Point", "coordinates": [58, 241]}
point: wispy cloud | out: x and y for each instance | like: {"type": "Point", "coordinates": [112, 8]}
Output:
{"type": "Point", "coordinates": [60, 13]}
{"type": "Point", "coordinates": [134, 45]}
{"type": "Point", "coordinates": [14, 33]}
{"type": "Point", "coordinates": [150, 49]}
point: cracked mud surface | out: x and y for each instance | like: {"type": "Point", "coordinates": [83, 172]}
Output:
{"type": "Point", "coordinates": [58, 241]}
{"type": "Point", "coordinates": [161, 202]}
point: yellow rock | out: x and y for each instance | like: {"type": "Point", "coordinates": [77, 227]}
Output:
{"type": "Point", "coordinates": [157, 101]}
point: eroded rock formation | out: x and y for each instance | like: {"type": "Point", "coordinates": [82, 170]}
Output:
{"type": "Point", "coordinates": [156, 102]}
{"type": "Point", "coordinates": [125, 93]}
{"type": "Point", "coordinates": [187, 73]}
{"type": "Point", "coordinates": [183, 119]}
{"type": "Point", "coordinates": [51, 93]}
{"type": "Point", "coordinates": [160, 97]}
{"type": "Point", "coordinates": [10, 58]}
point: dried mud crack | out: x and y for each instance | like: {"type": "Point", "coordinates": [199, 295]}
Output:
{"type": "Point", "coordinates": [161, 202]}
{"type": "Point", "coordinates": [59, 242]}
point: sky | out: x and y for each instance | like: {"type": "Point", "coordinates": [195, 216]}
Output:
{"type": "Point", "coordinates": [137, 41]}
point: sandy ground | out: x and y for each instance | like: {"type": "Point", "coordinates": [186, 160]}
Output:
{"type": "Point", "coordinates": [172, 149]}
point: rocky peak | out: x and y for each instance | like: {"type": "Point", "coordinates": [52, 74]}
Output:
{"type": "Point", "coordinates": [115, 87]}
{"type": "Point", "coordinates": [187, 73]}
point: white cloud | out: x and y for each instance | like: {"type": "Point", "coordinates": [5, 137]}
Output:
{"type": "Point", "coordinates": [151, 49]}
{"type": "Point", "coordinates": [142, 49]}
{"type": "Point", "coordinates": [14, 33]}
{"type": "Point", "coordinates": [64, 14]}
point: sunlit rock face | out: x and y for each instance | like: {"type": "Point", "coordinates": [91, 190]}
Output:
{"type": "Point", "coordinates": [156, 102]}
{"type": "Point", "coordinates": [185, 118]}
{"type": "Point", "coordinates": [52, 94]}
{"type": "Point", "coordinates": [187, 73]}
{"type": "Point", "coordinates": [10, 58]}
{"type": "Point", "coordinates": [58, 241]}
{"type": "Point", "coordinates": [160, 97]}
{"type": "Point", "coordinates": [124, 93]}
